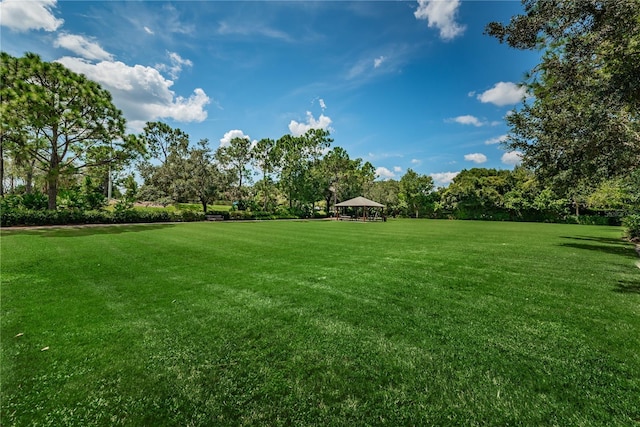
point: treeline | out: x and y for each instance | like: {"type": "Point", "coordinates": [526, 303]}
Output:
{"type": "Point", "coordinates": [518, 195]}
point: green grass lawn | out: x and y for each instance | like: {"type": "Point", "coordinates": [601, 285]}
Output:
{"type": "Point", "coordinates": [320, 323]}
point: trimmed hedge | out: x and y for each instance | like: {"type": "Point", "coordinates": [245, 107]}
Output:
{"type": "Point", "coordinates": [13, 217]}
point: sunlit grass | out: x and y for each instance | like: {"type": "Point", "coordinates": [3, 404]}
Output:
{"type": "Point", "coordinates": [320, 323]}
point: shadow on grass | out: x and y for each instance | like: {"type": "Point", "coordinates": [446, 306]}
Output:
{"type": "Point", "coordinates": [84, 230]}
{"type": "Point", "coordinates": [608, 240]}
{"type": "Point", "coordinates": [628, 287]}
{"type": "Point", "coordinates": [601, 244]}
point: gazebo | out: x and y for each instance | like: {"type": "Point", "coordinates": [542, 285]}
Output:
{"type": "Point", "coordinates": [358, 202]}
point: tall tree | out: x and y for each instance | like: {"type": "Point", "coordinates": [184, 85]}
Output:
{"type": "Point", "coordinates": [204, 178]}
{"type": "Point", "coordinates": [581, 125]}
{"type": "Point", "coordinates": [386, 192]}
{"type": "Point", "coordinates": [66, 115]}
{"type": "Point", "coordinates": [163, 168]}
{"type": "Point", "coordinates": [296, 156]}
{"type": "Point", "coordinates": [415, 189]}
{"type": "Point", "coordinates": [236, 158]}
{"type": "Point", "coordinates": [335, 167]}
{"type": "Point", "coordinates": [161, 140]}
{"type": "Point", "coordinates": [264, 156]}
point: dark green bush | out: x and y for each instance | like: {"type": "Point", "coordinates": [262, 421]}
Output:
{"type": "Point", "coordinates": [592, 220]}
{"type": "Point", "coordinates": [631, 224]}
{"type": "Point", "coordinates": [35, 201]}
{"type": "Point", "coordinates": [190, 216]}
{"type": "Point", "coordinates": [12, 217]}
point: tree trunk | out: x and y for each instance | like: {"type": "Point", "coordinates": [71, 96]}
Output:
{"type": "Point", "coordinates": [328, 200]}
{"type": "Point", "coordinates": [204, 205]}
{"type": "Point", "coordinates": [264, 190]}
{"type": "Point", "coordinates": [52, 184]}
{"type": "Point", "coordinates": [28, 184]}
{"type": "Point", "coordinates": [52, 191]}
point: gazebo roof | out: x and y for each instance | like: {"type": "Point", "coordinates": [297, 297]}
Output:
{"type": "Point", "coordinates": [359, 201]}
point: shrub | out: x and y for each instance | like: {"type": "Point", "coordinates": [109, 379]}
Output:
{"type": "Point", "coordinates": [632, 227]}
{"type": "Point", "coordinates": [11, 217]}
{"type": "Point", "coordinates": [190, 216]}
{"type": "Point", "coordinates": [35, 201]}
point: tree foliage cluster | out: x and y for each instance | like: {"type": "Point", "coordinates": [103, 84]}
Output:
{"type": "Point", "coordinates": [296, 172]}
{"type": "Point", "coordinates": [580, 124]}
{"type": "Point", "coordinates": [57, 123]}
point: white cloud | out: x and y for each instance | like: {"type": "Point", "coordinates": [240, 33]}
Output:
{"type": "Point", "coordinates": [416, 161]}
{"type": "Point", "coordinates": [397, 169]}
{"type": "Point", "coordinates": [443, 178]}
{"type": "Point", "coordinates": [22, 15]}
{"type": "Point", "coordinates": [384, 173]}
{"type": "Point", "coordinates": [177, 63]}
{"type": "Point", "coordinates": [442, 15]}
{"type": "Point", "coordinates": [148, 30]}
{"type": "Point", "coordinates": [512, 158]}
{"type": "Point", "coordinates": [475, 158]}
{"type": "Point", "coordinates": [141, 92]}
{"type": "Point", "coordinates": [467, 120]}
{"type": "Point", "coordinates": [378, 61]}
{"type": "Point", "coordinates": [496, 140]}
{"type": "Point", "coordinates": [235, 133]}
{"type": "Point", "coordinates": [322, 104]}
{"type": "Point", "coordinates": [299, 129]}
{"type": "Point", "coordinates": [503, 93]}
{"type": "Point", "coordinates": [82, 46]}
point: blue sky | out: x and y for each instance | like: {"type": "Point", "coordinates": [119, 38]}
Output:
{"type": "Point", "coordinates": [402, 84]}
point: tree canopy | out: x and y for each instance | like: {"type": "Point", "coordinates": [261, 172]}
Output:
{"type": "Point", "coordinates": [580, 125]}
{"type": "Point", "coordinates": [60, 119]}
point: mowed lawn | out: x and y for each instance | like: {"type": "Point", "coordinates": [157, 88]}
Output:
{"type": "Point", "coordinates": [320, 323]}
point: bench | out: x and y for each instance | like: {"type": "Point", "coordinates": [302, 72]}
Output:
{"type": "Point", "coordinates": [345, 218]}
{"type": "Point", "coordinates": [214, 217]}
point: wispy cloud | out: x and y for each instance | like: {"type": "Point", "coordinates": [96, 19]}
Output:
{"type": "Point", "coordinates": [496, 140]}
{"type": "Point", "coordinates": [148, 30]}
{"type": "Point", "coordinates": [176, 66]}
{"type": "Point", "coordinates": [80, 45]}
{"type": "Point", "coordinates": [378, 61]}
{"type": "Point", "coordinates": [226, 28]}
